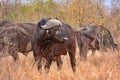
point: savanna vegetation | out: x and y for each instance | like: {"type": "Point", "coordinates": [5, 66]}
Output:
{"type": "Point", "coordinates": [102, 66]}
{"type": "Point", "coordinates": [75, 12]}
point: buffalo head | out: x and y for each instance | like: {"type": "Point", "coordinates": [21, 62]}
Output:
{"type": "Point", "coordinates": [51, 29]}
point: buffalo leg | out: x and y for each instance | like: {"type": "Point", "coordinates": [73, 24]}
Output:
{"type": "Point", "coordinates": [36, 52]}
{"type": "Point", "coordinates": [72, 60]}
{"type": "Point", "coordinates": [93, 51]}
{"type": "Point", "coordinates": [37, 59]}
{"type": "Point", "coordinates": [83, 53]}
{"type": "Point", "coordinates": [40, 65]}
{"type": "Point", "coordinates": [15, 56]}
{"type": "Point", "coordinates": [48, 63]}
{"type": "Point", "coordinates": [12, 49]}
{"type": "Point", "coordinates": [35, 56]}
{"type": "Point", "coordinates": [59, 62]}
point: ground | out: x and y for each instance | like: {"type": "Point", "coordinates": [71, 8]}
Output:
{"type": "Point", "coordinates": [101, 66]}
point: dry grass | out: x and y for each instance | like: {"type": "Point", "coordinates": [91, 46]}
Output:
{"type": "Point", "coordinates": [102, 66]}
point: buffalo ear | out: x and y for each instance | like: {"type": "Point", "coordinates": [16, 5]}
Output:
{"type": "Point", "coordinates": [42, 21]}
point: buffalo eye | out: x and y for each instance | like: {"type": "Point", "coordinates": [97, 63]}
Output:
{"type": "Point", "coordinates": [55, 28]}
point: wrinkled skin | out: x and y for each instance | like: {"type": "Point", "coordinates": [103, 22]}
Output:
{"type": "Point", "coordinates": [96, 37]}
{"type": "Point", "coordinates": [84, 44]}
{"type": "Point", "coordinates": [105, 38]}
{"type": "Point", "coordinates": [52, 43]}
{"type": "Point", "coordinates": [15, 37]}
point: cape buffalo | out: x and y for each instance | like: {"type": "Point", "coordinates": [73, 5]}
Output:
{"type": "Point", "coordinates": [15, 37]}
{"type": "Point", "coordinates": [94, 38]}
{"type": "Point", "coordinates": [53, 38]}
{"type": "Point", "coordinates": [104, 37]}
{"type": "Point", "coordinates": [86, 40]}
{"type": "Point", "coordinates": [106, 40]}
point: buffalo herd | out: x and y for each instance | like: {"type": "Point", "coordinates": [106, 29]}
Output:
{"type": "Point", "coordinates": [50, 38]}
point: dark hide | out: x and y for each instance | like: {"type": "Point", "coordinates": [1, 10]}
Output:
{"type": "Point", "coordinates": [95, 38]}
{"type": "Point", "coordinates": [16, 37]}
{"type": "Point", "coordinates": [105, 38]}
{"type": "Point", "coordinates": [86, 41]}
{"type": "Point", "coordinates": [51, 44]}
{"type": "Point", "coordinates": [5, 23]}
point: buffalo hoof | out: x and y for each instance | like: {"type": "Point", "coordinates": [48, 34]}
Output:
{"type": "Point", "coordinates": [74, 69]}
